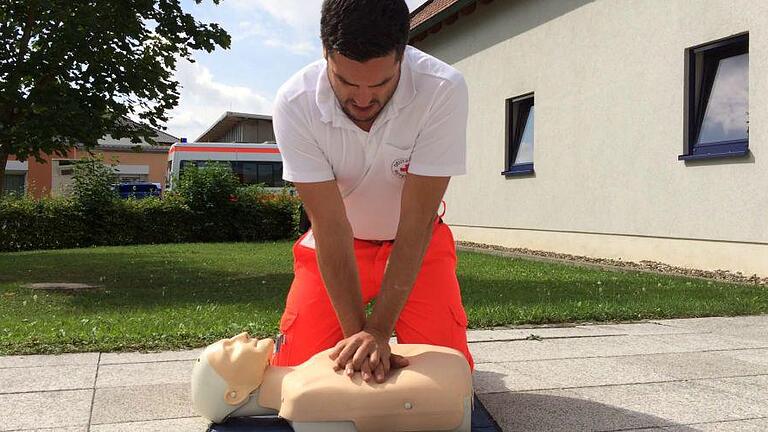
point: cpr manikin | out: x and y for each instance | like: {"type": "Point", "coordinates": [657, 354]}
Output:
{"type": "Point", "coordinates": [233, 378]}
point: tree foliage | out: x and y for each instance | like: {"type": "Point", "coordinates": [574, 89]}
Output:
{"type": "Point", "coordinates": [73, 71]}
{"type": "Point", "coordinates": [93, 183]}
{"type": "Point", "coordinates": [207, 187]}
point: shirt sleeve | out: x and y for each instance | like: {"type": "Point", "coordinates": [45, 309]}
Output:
{"type": "Point", "coordinates": [441, 146]}
{"type": "Point", "coordinates": [303, 159]}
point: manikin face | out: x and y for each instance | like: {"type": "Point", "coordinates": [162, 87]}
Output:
{"type": "Point", "coordinates": [363, 89]}
{"type": "Point", "coordinates": [240, 361]}
{"type": "Point", "coordinates": [243, 351]}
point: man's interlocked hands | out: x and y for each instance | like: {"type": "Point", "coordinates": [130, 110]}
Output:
{"type": "Point", "coordinates": [367, 352]}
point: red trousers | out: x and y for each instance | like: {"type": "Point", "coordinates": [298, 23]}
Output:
{"type": "Point", "coordinates": [432, 315]}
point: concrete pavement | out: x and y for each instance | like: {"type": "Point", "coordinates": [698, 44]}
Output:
{"type": "Point", "coordinates": [703, 374]}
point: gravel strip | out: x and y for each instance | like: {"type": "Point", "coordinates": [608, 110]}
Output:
{"type": "Point", "coordinates": [610, 264]}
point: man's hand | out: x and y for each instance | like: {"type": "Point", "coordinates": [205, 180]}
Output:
{"type": "Point", "coordinates": [369, 353]}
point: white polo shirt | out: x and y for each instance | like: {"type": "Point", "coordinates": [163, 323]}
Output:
{"type": "Point", "coordinates": [421, 130]}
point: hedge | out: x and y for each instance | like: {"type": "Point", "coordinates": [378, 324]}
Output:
{"type": "Point", "coordinates": [55, 223]}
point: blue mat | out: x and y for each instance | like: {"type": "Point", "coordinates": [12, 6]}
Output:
{"type": "Point", "coordinates": [481, 422]}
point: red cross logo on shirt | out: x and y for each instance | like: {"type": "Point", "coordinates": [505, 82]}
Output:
{"type": "Point", "coordinates": [400, 167]}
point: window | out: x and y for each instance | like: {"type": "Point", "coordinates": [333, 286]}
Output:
{"type": "Point", "coordinates": [268, 173]}
{"type": "Point", "coordinates": [66, 167]}
{"type": "Point", "coordinates": [128, 178]}
{"type": "Point", "coordinates": [15, 183]}
{"type": "Point", "coordinates": [717, 99]}
{"type": "Point", "coordinates": [519, 136]}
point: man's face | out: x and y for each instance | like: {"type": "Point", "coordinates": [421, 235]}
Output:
{"type": "Point", "coordinates": [363, 89]}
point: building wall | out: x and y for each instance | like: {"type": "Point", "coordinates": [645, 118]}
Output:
{"type": "Point", "coordinates": [608, 81]}
{"type": "Point", "coordinates": [235, 134]}
{"type": "Point", "coordinates": [258, 131]}
{"type": "Point", "coordinates": [250, 131]}
{"type": "Point", "coordinates": [42, 177]}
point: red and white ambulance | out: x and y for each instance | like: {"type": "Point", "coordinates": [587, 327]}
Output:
{"type": "Point", "coordinates": [252, 163]}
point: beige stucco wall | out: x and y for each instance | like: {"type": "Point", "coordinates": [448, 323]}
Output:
{"type": "Point", "coordinates": [608, 80]}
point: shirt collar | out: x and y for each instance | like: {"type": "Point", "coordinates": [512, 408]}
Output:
{"type": "Point", "coordinates": [324, 96]}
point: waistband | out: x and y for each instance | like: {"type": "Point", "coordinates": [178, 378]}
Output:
{"type": "Point", "coordinates": [438, 221]}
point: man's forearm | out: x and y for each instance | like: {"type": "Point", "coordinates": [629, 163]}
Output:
{"type": "Point", "coordinates": [338, 267]}
{"type": "Point", "coordinates": [403, 267]}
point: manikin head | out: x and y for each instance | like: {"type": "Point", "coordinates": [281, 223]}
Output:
{"type": "Point", "coordinates": [227, 373]}
{"type": "Point", "coordinates": [363, 43]}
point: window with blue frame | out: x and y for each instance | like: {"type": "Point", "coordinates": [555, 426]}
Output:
{"type": "Point", "coordinates": [519, 136]}
{"type": "Point", "coordinates": [717, 99]}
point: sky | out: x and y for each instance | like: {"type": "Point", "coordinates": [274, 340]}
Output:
{"type": "Point", "coordinates": [271, 40]}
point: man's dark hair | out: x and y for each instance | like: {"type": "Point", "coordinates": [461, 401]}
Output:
{"type": "Point", "coordinates": [365, 29]}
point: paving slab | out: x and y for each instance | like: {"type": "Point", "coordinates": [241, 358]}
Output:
{"type": "Point", "coordinates": [69, 408]}
{"type": "Point", "coordinates": [49, 360]}
{"type": "Point", "coordinates": [83, 428]}
{"type": "Point", "coordinates": [709, 324]}
{"type": "Point", "coordinates": [754, 388]}
{"type": "Point", "coordinates": [756, 425]}
{"type": "Point", "coordinates": [568, 373]}
{"type": "Point", "coordinates": [142, 374]}
{"type": "Point", "coordinates": [47, 378]}
{"type": "Point", "coordinates": [753, 356]}
{"type": "Point", "coordinates": [503, 377]}
{"type": "Point", "coordinates": [137, 357]}
{"type": "Point", "coordinates": [141, 403]}
{"type": "Point", "coordinates": [494, 352]}
{"type": "Point", "coordinates": [642, 328]}
{"type": "Point", "coordinates": [190, 424]}
{"type": "Point", "coordinates": [562, 411]}
{"type": "Point", "coordinates": [695, 365]}
{"type": "Point", "coordinates": [544, 332]}
{"type": "Point", "coordinates": [680, 402]}
{"type": "Point", "coordinates": [608, 346]}
{"type": "Point", "coordinates": [749, 327]}
{"type": "Point", "coordinates": [701, 342]}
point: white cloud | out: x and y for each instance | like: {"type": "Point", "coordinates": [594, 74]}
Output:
{"type": "Point", "coordinates": [293, 25]}
{"type": "Point", "coordinates": [301, 16]}
{"type": "Point", "coordinates": [299, 48]}
{"type": "Point", "coordinates": [203, 100]}
{"type": "Point", "coordinates": [298, 14]}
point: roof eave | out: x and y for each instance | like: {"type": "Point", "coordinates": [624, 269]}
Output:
{"type": "Point", "coordinates": [234, 117]}
{"type": "Point", "coordinates": [437, 18]}
{"type": "Point", "coordinates": [447, 15]}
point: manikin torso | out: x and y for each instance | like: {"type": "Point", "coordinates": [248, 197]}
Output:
{"type": "Point", "coordinates": [433, 393]}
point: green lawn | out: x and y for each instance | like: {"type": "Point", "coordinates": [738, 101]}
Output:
{"type": "Point", "coordinates": [179, 296]}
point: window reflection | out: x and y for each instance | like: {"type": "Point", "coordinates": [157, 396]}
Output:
{"type": "Point", "coordinates": [525, 151]}
{"type": "Point", "coordinates": [726, 114]}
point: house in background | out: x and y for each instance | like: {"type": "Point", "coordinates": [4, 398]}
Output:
{"type": "Point", "coordinates": [633, 130]}
{"type": "Point", "coordinates": [136, 162]}
{"type": "Point", "coordinates": [236, 127]}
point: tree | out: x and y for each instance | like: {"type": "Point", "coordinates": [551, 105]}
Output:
{"type": "Point", "coordinates": [74, 71]}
